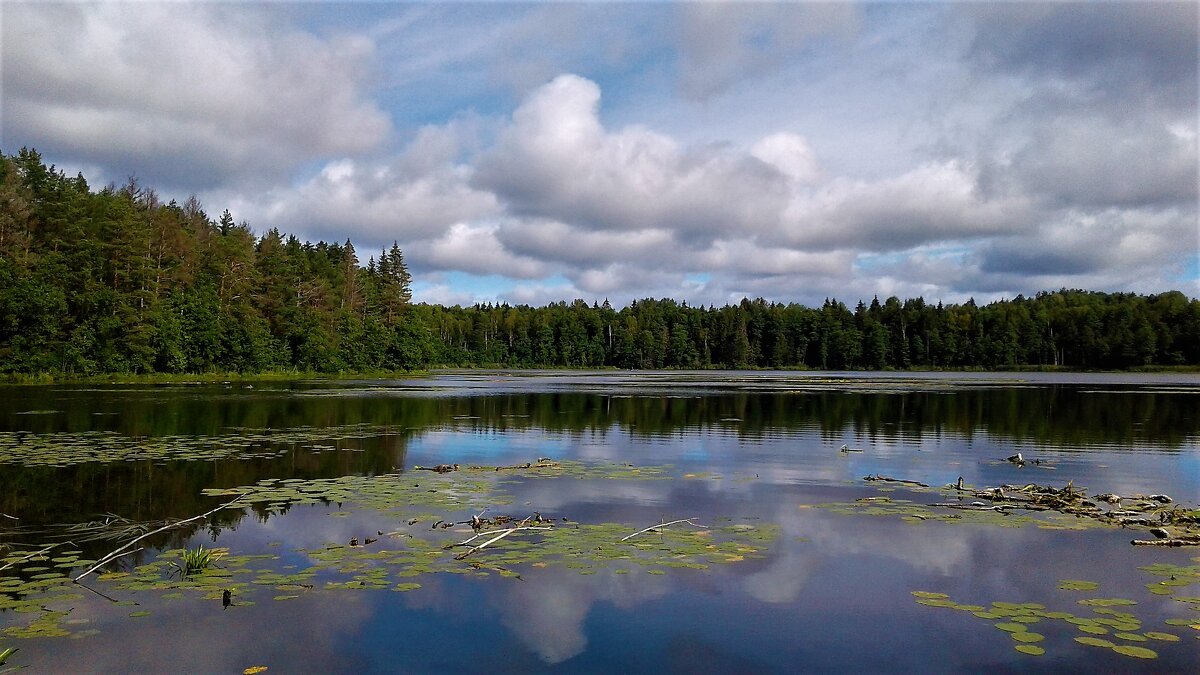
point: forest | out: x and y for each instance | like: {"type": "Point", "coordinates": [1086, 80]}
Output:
{"type": "Point", "coordinates": [116, 281]}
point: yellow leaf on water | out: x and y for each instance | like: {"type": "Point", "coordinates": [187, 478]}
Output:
{"type": "Point", "coordinates": [253, 669]}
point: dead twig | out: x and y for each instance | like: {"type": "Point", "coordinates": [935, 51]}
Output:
{"type": "Point", "coordinates": [889, 479]}
{"type": "Point", "coordinates": [499, 535]}
{"type": "Point", "coordinates": [35, 553]}
{"type": "Point", "coordinates": [662, 525]}
{"type": "Point", "coordinates": [123, 550]}
{"type": "Point", "coordinates": [508, 531]}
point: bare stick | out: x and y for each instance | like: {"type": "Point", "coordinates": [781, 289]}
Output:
{"type": "Point", "coordinates": [1166, 542]}
{"type": "Point", "coordinates": [889, 479]}
{"type": "Point", "coordinates": [491, 532]}
{"type": "Point", "coordinates": [45, 550]}
{"type": "Point", "coordinates": [121, 551]}
{"type": "Point", "coordinates": [662, 525]}
{"type": "Point", "coordinates": [83, 585]}
{"type": "Point", "coordinates": [498, 537]}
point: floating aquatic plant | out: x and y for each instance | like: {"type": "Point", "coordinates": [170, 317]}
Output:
{"type": "Point", "coordinates": [1122, 625]}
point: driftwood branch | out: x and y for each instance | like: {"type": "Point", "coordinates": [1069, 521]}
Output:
{"type": "Point", "coordinates": [124, 549]}
{"type": "Point", "coordinates": [499, 535]}
{"type": "Point", "coordinates": [662, 525]}
{"type": "Point", "coordinates": [35, 553]}
{"type": "Point", "coordinates": [889, 479]}
{"type": "Point", "coordinates": [1190, 541]}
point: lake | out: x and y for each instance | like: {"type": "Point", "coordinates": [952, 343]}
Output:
{"type": "Point", "coordinates": [340, 554]}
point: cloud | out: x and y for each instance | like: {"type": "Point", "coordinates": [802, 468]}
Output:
{"type": "Point", "coordinates": [722, 44]}
{"type": "Point", "coordinates": [937, 201]}
{"type": "Point", "coordinates": [475, 249]}
{"type": "Point", "coordinates": [419, 196]}
{"type": "Point", "coordinates": [195, 95]}
{"type": "Point", "coordinates": [1143, 243]}
{"type": "Point", "coordinates": [556, 161]}
{"type": "Point", "coordinates": [1113, 50]}
{"type": "Point", "coordinates": [1087, 161]}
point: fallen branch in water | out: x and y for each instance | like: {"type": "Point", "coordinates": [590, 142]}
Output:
{"type": "Point", "coordinates": [499, 535]}
{"type": "Point", "coordinates": [124, 549]}
{"type": "Point", "coordinates": [662, 525]}
{"type": "Point", "coordinates": [889, 479]}
{"type": "Point", "coordinates": [440, 468]}
{"type": "Point", "coordinates": [110, 599]}
{"type": "Point", "coordinates": [45, 550]}
{"type": "Point", "coordinates": [1190, 541]}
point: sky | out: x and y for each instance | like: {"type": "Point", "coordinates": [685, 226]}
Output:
{"type": "Point", "coordinates": [532, 153]}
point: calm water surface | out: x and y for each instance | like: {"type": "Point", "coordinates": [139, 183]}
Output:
{"type": "Point", "coordinates": [827, 587]}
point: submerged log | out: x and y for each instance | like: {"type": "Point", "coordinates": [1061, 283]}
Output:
{"type": "Point", "coordinates": [1189, 541]}
{"type": "Point", "coordinates": [440, 468]}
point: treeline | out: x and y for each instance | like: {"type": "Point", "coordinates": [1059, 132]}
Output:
{"type": "Point", "coordinates": [1074, 329]}
{"type": "Point", "coordinates": [115, 281]}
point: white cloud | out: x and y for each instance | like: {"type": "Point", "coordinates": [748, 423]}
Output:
{"type": "Point", "coordinates": [933, 202]}
{"type": "Point", "coordinates": [475, 249]}
{"type": "Point", "coordinates": [183, 93]}
{"type": "Point", "coordinates": [791, 154]}
{"type": "Point", "coordinates": [557, 161]}
{"type": "Point", "coordinates": [414, 199]}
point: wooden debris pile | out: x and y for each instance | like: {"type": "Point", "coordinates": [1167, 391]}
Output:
{"type": "Point", "coordinates": [1155, 512]}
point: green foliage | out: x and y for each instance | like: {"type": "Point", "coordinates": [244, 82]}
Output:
{"type": "Point", "coordinates": [196, 560]}
{"type": "Point", "coordinates": [114, 281]}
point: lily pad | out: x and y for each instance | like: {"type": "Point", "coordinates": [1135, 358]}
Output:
{"type": "Point", "coordinates": [1135, 651]}
{"type": "Point", "coordinates": [1095, 642]}
{"type": "Point", "coordinates": [1032, 650]}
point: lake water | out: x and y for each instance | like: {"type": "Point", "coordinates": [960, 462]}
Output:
{"type": "Point", "coordinates": [791, 561]}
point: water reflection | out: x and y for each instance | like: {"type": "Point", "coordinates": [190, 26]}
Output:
{"type": "Point", "coordinates": [832, 592]}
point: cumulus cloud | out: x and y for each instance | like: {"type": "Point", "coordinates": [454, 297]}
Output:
{"type": "Point", "coordinates": [475, 249]}
{"type": "Point", "coordinates": [418, 196]}
{"type": "Point", "coordinates": [194, 95]}
{"type": "Point", "coordinates": [934, 202]}
{"type": "Point", "coordinates": [1093, 162]}
{"type": "Point", "coordinates": [557, 161]}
